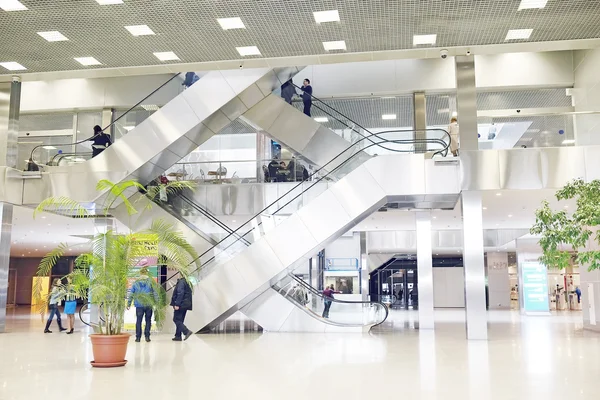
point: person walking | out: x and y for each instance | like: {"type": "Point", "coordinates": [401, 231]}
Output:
{"type": "Point", "coordinates": [328, 295]}
{"type": "Point", "coordinates": [453, 131]}
{"type": "Point", "coordinates": [182, 303]}
{"type": "Point", "coordinates": [55, 295]}
{"type": "Point", "coordinates": [101, 141]}
{"type": "Point", "coordinates": [306, 96]}
{"type": "Point", "coordinates": [70, 306]}
{"type": "Point", "coordinates": [190, 79]}
{"type": "Point", "coordinates": [140, 294]}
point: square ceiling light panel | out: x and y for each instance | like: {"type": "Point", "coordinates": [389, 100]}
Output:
{"type": "Point", "coordinates": [107, 2]}
{"type": "Point", "coordinates": [336, 45]}
{"type": "Point", "coordinates": [231, 23]}
{"type": "Point", "coordinates": [87, 61]}
{"type": "Point", "coordinates": [140, 30]}
{"type": "Point", "coordinates": [53, 36]}
{"type": "Point", "coordinates": [12, 66]}
{"type": "Point", "coordinates": [419, 40]}
{"type": "Point", "coordinates": [518, 34]}
{"type": "Point", "coordinates": [327, 16]}
{"type": "Point", "coordinates": [166, 56]}
{"type": "Point", "coordinates": [321, 119]}
{"type": "Point", "coordinates": [12, 5]}
{"type": "Point", "coordinates": [526, 4]}
{"type": "Point", "coordinates": [248, 51]}
{"type": "Point", "coordinates": [388, 116]}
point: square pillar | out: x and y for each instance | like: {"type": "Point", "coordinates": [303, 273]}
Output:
{"type": "Point", "coordinates": [466, 102]}
{"type": "Point", "coordinates": [425, 269]}
{"type": "Point", "coordinates": [473, 261]}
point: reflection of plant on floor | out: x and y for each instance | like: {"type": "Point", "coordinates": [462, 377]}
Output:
{"type": "Point", "coordinates": [559, 228]}
{"type": "Point", "coordinates": [102, 274]}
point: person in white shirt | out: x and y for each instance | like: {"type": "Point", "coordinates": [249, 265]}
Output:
{"type": "Point", "coordinates": [453, 131]}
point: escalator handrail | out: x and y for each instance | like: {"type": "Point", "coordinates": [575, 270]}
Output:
{"type": "Point", "coordinates": [401, 141]}
{"type": "Point", "coordinates": [334, 300]}
{"type": "Point", "coordinates": [112, 123]}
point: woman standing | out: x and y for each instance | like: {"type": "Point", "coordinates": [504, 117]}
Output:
{"type": "Point", "coordinates": [55, 296]}
{"type": "Point", "coordinates": [453, 131]}
{"type": "Point", "coordinates": [70, 306]}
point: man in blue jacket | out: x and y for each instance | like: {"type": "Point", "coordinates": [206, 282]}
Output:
{"type": "Point", "coordinates": [306, 96]}
{"type": "Point", "coordinates": [181, 302]}
{"type": "Point", "coordinates": [142, 293]}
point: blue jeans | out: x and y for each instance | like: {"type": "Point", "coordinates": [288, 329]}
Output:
{"type": "Point", "coordinates": [140, 313]}
{"type": "Point", "coordinates": [327, 307]}
{"type": "Point", "coordinates": [54, 311]}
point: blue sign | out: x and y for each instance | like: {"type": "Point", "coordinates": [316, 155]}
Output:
{"type": "Point", "coordinates": [535, 287]}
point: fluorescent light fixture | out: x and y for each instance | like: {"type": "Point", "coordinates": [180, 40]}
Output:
{"type": "Point", "coordinates": [485, 208]}
{"type": "Point", "coordinates": [48, 147]}
{"type": "Point", "coordinates": [140, 30]}
{"type": "Point", "coordinates": [568, 141]}
{"type": "Point", "coordinates": [150, 107]}
{"type": "Point", "coordinates": [454, 113]}
{"type": "Point", "coordinates": [518, 34]}
{"type": "Point", "coordinates": [248, 51]}
{"type": "Point", "coordinates": [336, 45]}
{"type": "Point", "coordinates": [498, 194]}
{"type": "Point", "coordinates": [107, 2]}
{"type": "Point", "coordinates": [166, 56]}
{"type": "Point", "coordinates": [509, 215]}
{"type": "Point", "coordinates": [388, 116]}
{"type": "Point", "coordinates": [327, 16]}
{"type": "Point", "coordinates": [231, 23]}
{"type": "Point", "coordinates": [128, 128]}
{"type": "Point", "coordinates": [12, 5]}
{"type": "Point", "coordinates": [443, 111]}
{"type": "Point", "coordinates": [424, 39]}
{"type": "Point", "coordinates": [321, 119]}
{"type": "Point", "coordinates": [53, 36]}
{"type": "Point", "coordinates": [525, 4]}
{"type": "Point", "coordinates": [12, 66]}
{"type": "Point", "coordinates": [87, 61]}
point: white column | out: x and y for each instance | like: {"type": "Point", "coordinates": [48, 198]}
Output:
{"type": "Point", "coordinates": [473, 261]}
{"type": "Point", "coordinates": [425, 269]}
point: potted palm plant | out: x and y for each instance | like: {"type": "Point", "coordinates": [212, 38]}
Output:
{"type": "Point", "coordinates": [102, 274]}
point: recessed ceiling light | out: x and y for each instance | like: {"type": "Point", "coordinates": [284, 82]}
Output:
{"type": "Point", "coordinates": [498, 194]}
{"type": "Point", "coordinates": [454, 113]}
{"type": "Point", "coordinates": [87, 61]}
{"type": "Point", "coordinates": [336, 45]}
{"type": "Point", "coordinates": [166, 56]}
{"type": "Point", "coordinates": [140, 30]}
{"type": "Point", "coordinates": [248, 51]}
{"type": "Point", "coordinates": [12, 66]}
{"type": "Point", "coordinates": [321, 119]}
{"type": "Point", "coordinates": [48, 147]}
{"type": "Point", "coordinates": [424, 39]}
{"type": "Point", "coordinates": [443, 111]}
{"type": "Point", "coordinates": [525, 4]}
{"type": "Point", "coordinates": [388, 116]}
{"type": "Point", "coordinates": [327, 16]}
{"type": "Point", "coordinates": [53, 36]}
{"type": "Point", "coordinates": [566, 206]}
{"type": "Point", "coordinates": [485, 208]}
{"type": "Point", "coordinates": [107, 2]}
{"type": "Point", "coordinates": [509, 215]}
{"type": "Point", "coordinates": [231, 23]}
{"type": "Point", "coordinates": [518, 34]}
{"type": "Point", "coordinates": [12, 5]}
{"type": "Point", "coordinates": [568, 141]}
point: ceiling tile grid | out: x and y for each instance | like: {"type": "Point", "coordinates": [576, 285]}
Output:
{"type": "Point", "coordinates": [189, 28]}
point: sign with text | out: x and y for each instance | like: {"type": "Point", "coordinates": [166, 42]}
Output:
{"type": "Point", "coordinates": [535, 287]}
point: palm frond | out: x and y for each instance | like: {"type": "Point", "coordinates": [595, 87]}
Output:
{"type": "Point", "coordinates": [116, 191]}
{"type": "Point", "coordinates": [63, 205]}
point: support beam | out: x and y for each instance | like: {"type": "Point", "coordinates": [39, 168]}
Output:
{"type": "Point", "coordinates": [466, 101]}
{"type": "Point", "coordinates": [425, 270]}
{"type": "Point", "coordinates": [420, 121]}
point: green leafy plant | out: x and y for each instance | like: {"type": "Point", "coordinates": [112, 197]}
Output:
{"type": "Point", "coordinates": [563, 233]}
{"type": "Point", "coordinates": [102, 274]}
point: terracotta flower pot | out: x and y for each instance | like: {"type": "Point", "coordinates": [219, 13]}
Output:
{"type": "Point", "coordinates": [109, 350]}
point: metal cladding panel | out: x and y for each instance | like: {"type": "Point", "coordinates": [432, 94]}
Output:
{"type": "Point", "coordinates": [323, 216]}
{"type": "Point", "coordinates": [291, 240]}
{"type": "Point", "coordinates": [171, 121]}
{"type": "Point", "coordinates": [325, 146]}
{"type": "Point", "coordinates": [238, 79]}
{"type": "Point", "coordinates": [270, 310]}
{"type": "Point", "coordinates": [199, 134]}
{"type": "Point", "coordinates": [209, 94]}
{"type": "Point", "coordinates": [251, 96]}
{"type": "Point", "coordinates": [358, 192]}
{"type": "Point", "coordinates": [479, 170]}
{"type": "Point", "coordinates": [258, 263]}
{"type": "Point", "coordinates": [291, 127]}
{"type": "Point", "coordinates": [520, 169]}
{"type": "Point", "coordinates": [224, 287]}
{"type": "Point", "coordinates": [562, 164]}
{"type": "Point", "coordinates": [441, 178]}
{"type": "Point", "coordinates": [399, 174]}
{"type": "Point", "coordinates": [234, 108]}
{"type": "Point", "coordinates": [262, 115]}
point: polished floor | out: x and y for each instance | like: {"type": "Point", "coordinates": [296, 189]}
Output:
{"type": "Point", "coordinates": [525, 358]}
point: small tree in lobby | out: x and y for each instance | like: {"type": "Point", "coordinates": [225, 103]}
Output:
{"type": "Point", "coordinates": [103, 273]}
{"type": "Point", "coordinates": [559, 228]}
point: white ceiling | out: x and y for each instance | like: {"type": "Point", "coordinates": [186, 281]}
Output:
{"type": "Point", "coordinates": [287, 28]}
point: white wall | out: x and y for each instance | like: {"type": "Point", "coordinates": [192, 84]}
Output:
{"type": "Point", "coordinates": [72, 94]}
{"type": "Point", "coordinates": [344, 247]}
{"type": "Point", "coordinates": [405, 76]}
{"type": "Point", "coordinates": [586, 96]}
{"type": "Point", "coordinates": [448, 287]}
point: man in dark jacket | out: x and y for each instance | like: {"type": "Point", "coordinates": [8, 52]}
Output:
{"type": "Point", "coordinates": [101, 141]}
{"type": "Point", "coordinates": [181, 302]}
{"type": "Point", "coordinates": [306, 96]}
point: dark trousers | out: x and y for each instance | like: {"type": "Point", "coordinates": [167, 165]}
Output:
{"type": "Point", "coordinates": [95, 152]}
{"type": "Point", "coordinates": [178, 318]}
{"type": "Point", "coordinates": [327, 307]}
{"type": "Point", "coordinates": [54, 311]}
{"type": "Point", "coordinates": [143, 313]}
{"type": "Point", "coordinates": [307, 106]}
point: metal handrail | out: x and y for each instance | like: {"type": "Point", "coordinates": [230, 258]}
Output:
{"type": "Point", "coordinates": [109, 125]}
{"type": "Point", "coordinates": [443, 150]}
